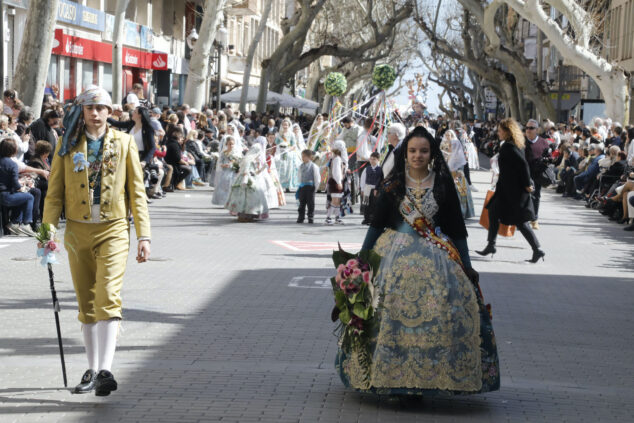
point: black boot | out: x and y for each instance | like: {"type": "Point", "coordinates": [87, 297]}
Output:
{"type": "Point", "coordinates": [537, 254]}
{"type": "Point", "coordinates": [87, 383]}
{"type": "Point", "coordinates": [490, 249]}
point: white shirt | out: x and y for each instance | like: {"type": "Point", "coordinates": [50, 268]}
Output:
{"type": "Point", "coordinates": [138, 137]}
{"type": "Point", "coordinates": [336, 171]}
{"type": "Point", "coordinates": [365, 145]}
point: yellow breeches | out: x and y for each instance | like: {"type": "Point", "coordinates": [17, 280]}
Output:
{"type": "Point", "coordinates": [97, 254]}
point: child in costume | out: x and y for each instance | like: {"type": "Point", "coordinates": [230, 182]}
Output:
{"type": "Point", "coordinates": [97, 179]}
{"type": "Point", "coordinates": [225, 173]}
{"type": "Point", "coordinates": [309, 178]}
{"type": "Point", "coordinates": [370, 179]}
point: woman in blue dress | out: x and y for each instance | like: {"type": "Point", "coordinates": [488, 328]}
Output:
{"type": "Point", "coordinates": [288, 158]}
{"type": "Point", "coordinates": [432, 334]}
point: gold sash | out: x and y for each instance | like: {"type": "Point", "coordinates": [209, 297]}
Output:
{"type": "Point", "coordinates": [412, 214]}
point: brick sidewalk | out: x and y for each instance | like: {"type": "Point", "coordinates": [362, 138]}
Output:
{"type": "Point", "coordinates": [213, 331]}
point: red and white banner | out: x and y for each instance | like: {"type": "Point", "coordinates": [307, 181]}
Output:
{"type": "Point", "coordinates": [81, 48]}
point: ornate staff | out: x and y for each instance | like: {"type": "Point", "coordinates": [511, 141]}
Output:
{"type": "Point", "coordinates": [47, 247]}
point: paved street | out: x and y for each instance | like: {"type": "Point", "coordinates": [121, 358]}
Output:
{"type": "Point", "coordinates": [230, 322]}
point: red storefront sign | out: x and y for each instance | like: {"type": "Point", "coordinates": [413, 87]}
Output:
{"type": "Point", "coordinates": [137, 58]}
{"type": "Point", "coordinates": [71, 46]}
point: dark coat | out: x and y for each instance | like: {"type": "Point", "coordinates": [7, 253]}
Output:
{"type": "Point", "coordinates": [511, 203]}
{"type": "Point", "coordinates": [448, 218]}
{"type": "Point", "coordinates": [40, 131]}
{"type": "Point", "coordinates": [174, 153]}
{"type": "Point", "coordinates": [147, 133]}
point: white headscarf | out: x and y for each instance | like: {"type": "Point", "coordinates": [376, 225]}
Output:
{"type": "Point", "coordinates": [457, 158]}
{"type": "Point", "coordinates": [341, 146]}
{"type": "Point", "coordinates": [301, 144]}
{"type": "Point", "coordinates": [253, 155]}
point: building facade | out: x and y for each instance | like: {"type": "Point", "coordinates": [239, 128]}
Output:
{"type": "Point", "coordinates": [155, 51]}
{"type": "Point", "coordinates": [619, 40]}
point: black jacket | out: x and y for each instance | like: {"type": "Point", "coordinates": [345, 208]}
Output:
{"type": "Point", "coordinates": [40, 131]}
{"type": "Point", "coordinates": [511, 203]}
{"type": "Point", "coordinates": [147, 133]}
{"type": "Point", "coordinates": [173, 152]}
{"type": "Point", "coordinates": [448, 218]}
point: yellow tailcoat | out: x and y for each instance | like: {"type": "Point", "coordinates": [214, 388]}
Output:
{"type": "Point", "coordinates": [122, 187]}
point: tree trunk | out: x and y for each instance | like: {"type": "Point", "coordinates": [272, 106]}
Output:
{"type": "Point", "coordinates": [251, 53]}
{"type": "Point", "coordinates": [264, 87]}
{"type": "Point", "coordinates": [117, 51]}
{"type": "Point", "coordinates": [199, 62]}
{"type": "Point", "coordinates": [35, 53]}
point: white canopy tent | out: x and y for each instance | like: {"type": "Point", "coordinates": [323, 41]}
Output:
{"type": "Point", "coordinates": [282, 100]}
{"type": "Point", "coordinates": [252, 96]}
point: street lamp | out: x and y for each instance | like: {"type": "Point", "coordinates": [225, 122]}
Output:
{"type": "Point", "coordinates": [220, 43]}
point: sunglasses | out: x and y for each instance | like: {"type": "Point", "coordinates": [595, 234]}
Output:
{"type": "Point", "coordinates": [530, 127]}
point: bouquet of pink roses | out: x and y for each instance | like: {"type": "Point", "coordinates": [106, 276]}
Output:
{"type": "Point", "coordinates": [356, 298]}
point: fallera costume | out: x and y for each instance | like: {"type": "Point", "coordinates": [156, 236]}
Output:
{"type": "Point", "coordinates": [98, 181]}
{"type": "Point", "coordinates": [287, 159]}
{"type": "Point", "coordinates": [247, 198]}
{"type": "Point", "coordinates": [276, 190]}
{"type": "Point", "coordinates": [225, 176]}
{"type": "Point", "coordinates": [432, 333]}
{"type": "Point", "coordinates": [456, 161]}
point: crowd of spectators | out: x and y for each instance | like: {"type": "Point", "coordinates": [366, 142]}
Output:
{"type": "Point", "coordinates": [592, 162]}
{"type": "Point", "coordinates": [178, 148]}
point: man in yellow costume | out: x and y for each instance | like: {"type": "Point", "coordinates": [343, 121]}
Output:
{"type": "Point", "coordinates": [97, 179]}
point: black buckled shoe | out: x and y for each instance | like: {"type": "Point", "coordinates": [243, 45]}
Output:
{"type": "Point", "coordinates": [105, 383]}
{"type": "Point", "coordinates": [87, 382]}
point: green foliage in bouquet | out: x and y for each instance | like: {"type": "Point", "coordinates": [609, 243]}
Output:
{"type": "Point", "coordinates": [335, 84]}
{"type": "Point", "coordinates": [383, 76]}
{"type": "Point", "coordinates": [356, 298]}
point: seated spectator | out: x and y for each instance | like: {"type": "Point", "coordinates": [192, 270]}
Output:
{"type": "Point", "coordinates": [585, 178]}
{"type": "Point", "coordinates": [40, 161]}
{"type": "Point", "coordinates": [12, 193]}
{"type": "Point", "coordinates": [174, 156]}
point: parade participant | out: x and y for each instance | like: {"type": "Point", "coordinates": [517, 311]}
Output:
{"type": "Point", "coordinates": [225, 173]}
{"type": "Point", "coordinates": [337, 170]}
{"type": "Point", "coordinates": [316, 133]}
{"type": "Point", "coordinates": [287, 156]}
{"type": "Point", "coordinates": [370, 179]}
{"type": "Point", "coordinates": [247, 198]}
{"type": "Point", "coordinates": [395, 134]}
{"type": "Point", "coordinates": [456, 161]}
{"type": "Point", "coordinates": [512, 203]}
{"type": "Point", "coordinates": [433, 334]}
{"type": "Point", "coordinates": [97, 179]}
{"type": "Point", "coordinates": [276, 190]}
{"type": "Point", "coordinates": [297, 131]}
{"type": "Point", "coordinates": [309, 179]}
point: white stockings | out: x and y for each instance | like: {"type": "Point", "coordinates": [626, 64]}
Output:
{"type": "Point", "coordinates": [100, 340]}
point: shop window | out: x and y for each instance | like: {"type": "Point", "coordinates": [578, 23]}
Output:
{"type": "Point", "coordinates": [106, 84]}
{"type": "Point", "coordinates": [87, 71]}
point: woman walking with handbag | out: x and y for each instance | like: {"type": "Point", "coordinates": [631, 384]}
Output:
{"type": "Point", "coordinates": [512, 203]}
